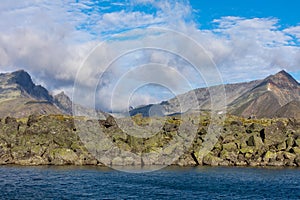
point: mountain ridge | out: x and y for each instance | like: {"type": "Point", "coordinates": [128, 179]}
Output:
{"type": "Point", "coordinates": [257, 98]}
{"type": "Point", "coordinates": [20, 96]}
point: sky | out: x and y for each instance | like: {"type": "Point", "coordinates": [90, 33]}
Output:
{"type": "Point", "coordinates": [134, 52]}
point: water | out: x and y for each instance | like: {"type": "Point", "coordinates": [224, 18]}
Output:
{"type": "Point", "coordinates": [171, 183]}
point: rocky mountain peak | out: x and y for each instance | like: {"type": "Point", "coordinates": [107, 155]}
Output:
{"type": "Point", "coordinates": [63, 102]}
{"type": "Point", "coordinates": [21, 78]}
{"type": "Point", "coordinates": [21, 81]}
{"type": "Point", "coordinates": [283, 80]}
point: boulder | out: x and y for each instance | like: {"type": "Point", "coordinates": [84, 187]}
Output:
{"type": "Point", "coordinates": [270, 156]}
{"type": "Point", "coordinates": [290, 142]}
{"type": "Point", "coordinates": [255, 141]}
{"type": "Point", "coordinates": [247, 150]}
{"type": "Point", "coordinates": [211, 160]}
{"type": "Point", "coordinates": [32, 119]}
{"type": "Point", "coordinates": [187, 160]}
{"type": "Point", "coordinates": [229, 146]}
{"type": "Point", "coordinates": [228, 139]}
{"type": "Point", "coordinates": [296, 150]}
{"type": "Point", "coordinates": [230, 156]}
{"type": "Point", "coordinates": [276, 163]}
{"type": "Point", "coordinates": [289, 156]}
{"type": "Point", "coordinates": [275, 134]}
{"type": "Point", "coordinates": [281, 146]}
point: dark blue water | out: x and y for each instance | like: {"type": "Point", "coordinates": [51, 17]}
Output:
{"type": "Point", "coordinates": [171, 183]}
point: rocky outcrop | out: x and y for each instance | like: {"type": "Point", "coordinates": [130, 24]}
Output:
{"type": "Point", "coordinates": [42, 140]}
{"type": "Point", "coordinates": [257, 143]}
{"type": "Point", "coordinates": [57, 140]}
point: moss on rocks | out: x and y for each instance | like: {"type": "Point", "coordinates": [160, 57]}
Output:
{"type": "Point", "coordinates": [55, 140]}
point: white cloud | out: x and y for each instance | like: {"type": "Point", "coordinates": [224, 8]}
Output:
{"type": "Point", "coordinates": [51, 39]}
{"type": "Point", "coordinates": [294, 32]}
{"type": "Point", "coordinates": [247, 49]}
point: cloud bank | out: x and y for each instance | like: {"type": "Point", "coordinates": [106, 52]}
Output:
{"type": "Point", "coordinates": [51, 40]}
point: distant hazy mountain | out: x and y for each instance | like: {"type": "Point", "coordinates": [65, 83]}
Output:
{"type": "Point", "coordinates": [269, 97]}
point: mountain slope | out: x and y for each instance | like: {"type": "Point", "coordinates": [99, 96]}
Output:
{"type": "Point", "coordinates": [198, 98]}
{"type": "Point", "coordinates": [266, 98]}
{"type": "Point", "coordinates": [260, 98]}
{"type": "Point", "coordinates": [290, 110]}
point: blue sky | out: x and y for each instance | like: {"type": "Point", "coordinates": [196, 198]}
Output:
{"type": "Point", "coordinates": [53, 40]}
{"type": "Point", "coordinates": [286, 11]}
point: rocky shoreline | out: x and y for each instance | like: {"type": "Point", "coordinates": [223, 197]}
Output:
{"type": "Point", "coordinates": [54, 140]}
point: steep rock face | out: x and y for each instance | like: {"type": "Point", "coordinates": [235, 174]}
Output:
{"type": "Point", "coordinates": [23, 82]}
{"type": "Point", "coordinates": [20, 97]}
{"type": "Point", "coordinates": [262, 106]}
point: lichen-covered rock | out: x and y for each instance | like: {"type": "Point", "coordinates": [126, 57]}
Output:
{"type": "Point", "coordinates": [230, 146]}
{"type": "Point", "coordinates": [290, 142]}
{"type": "Point", "coordinates": [255, 141]}
{"type": "Point", "coordinates": [211, 160]}
{"type": "Point", "coordinates": [290, 156]}
{"type": "Point", "coordinates": [297, 161]}
{"type": "Point", "coordinates": [281, 146]}
{"type": "Point", "coordinates": [297, 141]}
{"type": "Point", "coordinates": [66, 140]}
{"type": "Point", "coordinates": [229, 156]}
{"type": "Point", "coordinates": [296, 150]}
{"type": "Point", "coordinates": [270, 156]}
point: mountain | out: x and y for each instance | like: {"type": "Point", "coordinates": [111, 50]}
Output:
{"type": "Point", "coordinates": [266, 98]}
{"type": "Point", "coordinates": [63, 102]}
{"type": "Point", "coordinates": [275, 96]}
{"type": "Point", "coordinates": [20, 97]}
{"type": "Point", "coordinates": [19, 84]}
{"type": "Point", "coordinates": [260, 98]}
{"type": "Point", "coordinates": [290, 110]}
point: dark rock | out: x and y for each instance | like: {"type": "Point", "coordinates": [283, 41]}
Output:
{"type": "Point", "coordinates": [262, 134]}
{"type": "Point", "coordinates": [32, 119]}
{"type": "Point", "coordinates": [10, 120]}
{"type": "Point", "coordinates": [236, 123]}
{"type": "Point", "coordinates": [255, 141]}
{"type": "Point", "coordinates": [109, 122]}
{"type": "Point", "coordinates": [170, 127]}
